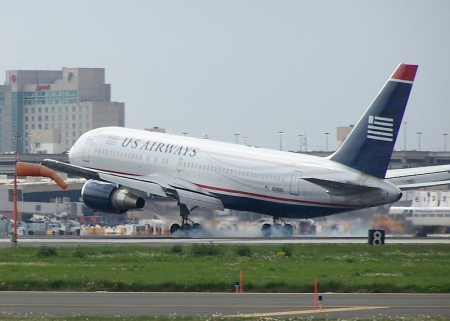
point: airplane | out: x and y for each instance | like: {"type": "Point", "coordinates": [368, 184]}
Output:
{"type": "Point", "coordinates": [428, 213]}
{"type": "Point", "coordinates": [125, 166]}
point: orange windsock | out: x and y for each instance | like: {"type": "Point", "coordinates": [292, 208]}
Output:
{"type": "Point", "coordinates": [28, 169]}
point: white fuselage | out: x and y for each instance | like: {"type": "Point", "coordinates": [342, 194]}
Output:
{"type": "Point", "coordinates": [242, 177]}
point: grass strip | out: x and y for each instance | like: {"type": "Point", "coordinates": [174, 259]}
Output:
{"type": "Point", "coordinates": [215, 268]}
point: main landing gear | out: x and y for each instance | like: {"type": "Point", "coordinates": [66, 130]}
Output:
{"type": "Point", "coordinates": [277, 229]}
{"type": "Point", "coordinates": [186, 228]}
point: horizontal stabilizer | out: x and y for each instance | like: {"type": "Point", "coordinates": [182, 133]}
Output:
{"type": "Point", "coordinates": [413, 178]}
{"type": "Point", "coordinates": [338, 188]}
{"type": "Point", "coordinates": [405, 186]}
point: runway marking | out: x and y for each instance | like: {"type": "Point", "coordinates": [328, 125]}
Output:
{"type": "Point", "coordinates": [272, 314]}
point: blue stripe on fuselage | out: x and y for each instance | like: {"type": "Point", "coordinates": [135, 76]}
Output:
{"type": "Point", "coordinates": [278, 209]}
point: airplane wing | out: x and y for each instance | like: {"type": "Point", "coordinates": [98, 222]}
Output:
{"type": "Point", "coordinates": [161, 185]}
{"type": "Point", "coordinates": [340, 188]}
{"type": "Point", "coordinates": [413, 178]}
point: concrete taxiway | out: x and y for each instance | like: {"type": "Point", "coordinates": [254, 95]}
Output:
{"type": "Point", "coordinates": [336, 305]}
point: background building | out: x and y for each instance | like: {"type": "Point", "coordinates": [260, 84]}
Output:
{"type": "Point", "coordinates": [342, 134]}
{"type": "Point", "coordinates": [50, 109]}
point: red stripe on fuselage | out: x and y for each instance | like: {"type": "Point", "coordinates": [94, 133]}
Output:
{"type": "Point", "coordinates": [273, 198]}
{"type": "Point", "coordinates": [213, 189]}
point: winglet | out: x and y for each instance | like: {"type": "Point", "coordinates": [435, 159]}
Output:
{"type": "Point", "coordinates": [369, 146]}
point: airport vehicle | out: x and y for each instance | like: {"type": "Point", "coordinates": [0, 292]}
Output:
{"type": "Point", "coordinates": [68, 226]}
{"type": "Point", "coordinates": [6, 225]}
{"type": "Point", "coordinates": [425, 220]}
{"type": "Point", "coordinates": [154, 226]}
{"type": "Point", "coordinates": [125, 166]}
{"type": "Point", "coordinates": [227, 223]}
{"type": "Point", "coordinates": [42, 227]}
{"type": "Point", "coordinates": [40, 224]}
{"type": "Point", "coordinates": [392, 224]}
{"type": "Point", "coordinates": [307, 226]}
{"type": "Point", "coordinates": [428, 213]}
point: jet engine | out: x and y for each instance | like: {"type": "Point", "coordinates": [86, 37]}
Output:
{"type": "Point", "coordinates": [106, 197]}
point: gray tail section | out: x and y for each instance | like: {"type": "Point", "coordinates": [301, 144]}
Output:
{"type": "Point", "coordinates": [369, 146]}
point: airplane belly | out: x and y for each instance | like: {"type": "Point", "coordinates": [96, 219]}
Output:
{"type": "Point", "coordinates": [277, 208]}
{"type": "Point", "coordinates": [277, 200]}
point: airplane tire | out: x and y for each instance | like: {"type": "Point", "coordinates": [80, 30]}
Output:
{"type": "Point", "coordinates": [174, 227]}
{"type": "Point", "coordinates": [266, 230]}
{"type": "Point", "coordinates": [185, 227]}
{"type": "Point", "coordinates": [195, 230]}
{"type": "Point", "coordinates": [277, 230]}
{"type": "Point", "coordinates": [288, 230]}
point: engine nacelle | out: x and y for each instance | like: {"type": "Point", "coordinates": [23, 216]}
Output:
{"type": "Point", "coordinates": [106, 197]}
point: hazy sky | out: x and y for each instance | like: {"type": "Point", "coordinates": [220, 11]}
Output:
{"type": "Point", "coordinates": [252, 68]}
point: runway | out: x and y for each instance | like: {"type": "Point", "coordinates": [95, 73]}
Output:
{"type": "Point", "coordinates": [69, 240]}
{"type": "Point", "coordinates": [335, 305]}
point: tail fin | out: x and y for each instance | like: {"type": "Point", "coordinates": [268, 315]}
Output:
{"type": "Point", "coordinates": [369, 146]}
